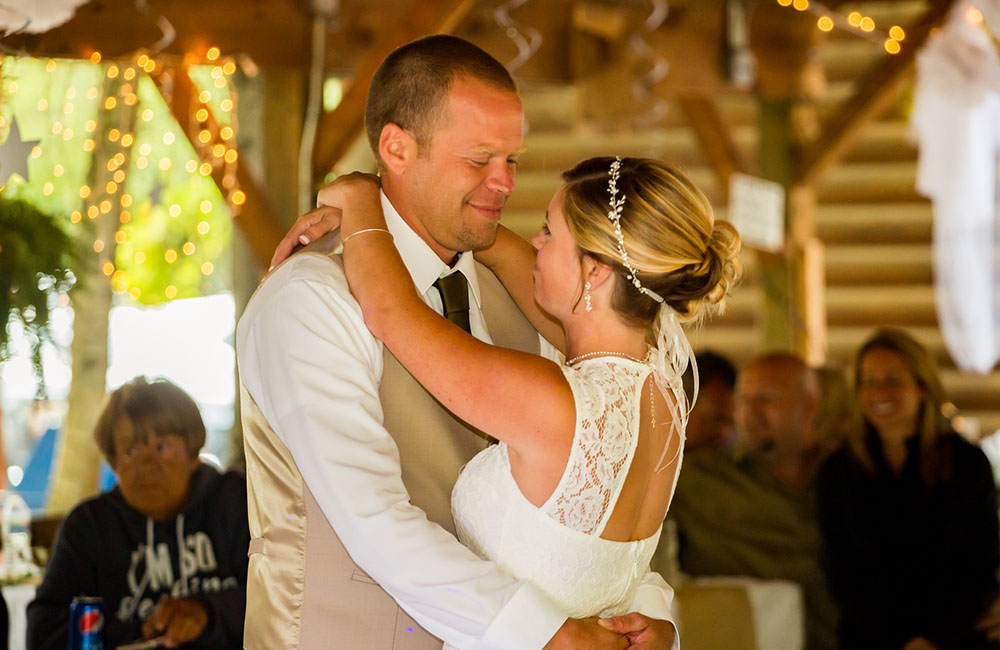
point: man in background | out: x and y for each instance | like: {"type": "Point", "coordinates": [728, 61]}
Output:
{"type": "Point", "coordinates": [750, 511]}
{"type": "Point", "coordinates": [711, 422]}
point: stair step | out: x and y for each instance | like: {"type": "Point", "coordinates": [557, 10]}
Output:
{"type": "Point", "coordinates": [905, 305]}
{"type": "Point", "coordinates": [558, 150]}
{"type": "Point", "coordinates": [971, 391]}
{"type": "Point", "coordinates": [867, 264]}
{"type": "Point", "coordinates": [848, 183]}
{"type": "Point", "coordinates": [869, 182]}
{"type": "Point", "coordinates": [875, 222]}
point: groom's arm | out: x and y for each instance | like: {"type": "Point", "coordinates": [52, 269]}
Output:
{"type": "Point", "coordinates": [313, 368]}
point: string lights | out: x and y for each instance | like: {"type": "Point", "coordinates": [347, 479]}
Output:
{"type": "Point", "coordinates": [855, 22]}
{"type": "Point", "coordinates": [212, 127]}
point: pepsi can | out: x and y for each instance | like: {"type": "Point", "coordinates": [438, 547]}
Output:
{"type": "Point", "coordinates": [86, 624]}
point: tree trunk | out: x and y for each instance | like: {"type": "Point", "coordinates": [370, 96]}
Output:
{"type": "Point", "coordinates": [77, 462]}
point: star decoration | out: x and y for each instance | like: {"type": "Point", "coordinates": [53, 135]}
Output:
{"type": "Point", "coordinates": [14, 154]}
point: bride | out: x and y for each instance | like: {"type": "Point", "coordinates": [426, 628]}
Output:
{"type": "Point", "coordinates": [574, 495]}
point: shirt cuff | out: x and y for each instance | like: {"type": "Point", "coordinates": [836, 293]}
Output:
{"type": "Point", "coordinates": [655, 599]}
{"type": "Point", "coordinates": [528, 620]}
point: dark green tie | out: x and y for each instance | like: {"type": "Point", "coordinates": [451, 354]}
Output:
{"type": "Point", "coordinates": [454, 290]}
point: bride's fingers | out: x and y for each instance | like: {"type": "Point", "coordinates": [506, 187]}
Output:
{"type": "Point", "coordinates": [306, 229]}
{"type": "Point", "coordinates": [329, 220]}
{"type": "Point", "coordinates": [288, 243]}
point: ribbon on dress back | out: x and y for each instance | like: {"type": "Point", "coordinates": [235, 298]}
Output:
{"type": "Point", "coordinates": [671, 357]}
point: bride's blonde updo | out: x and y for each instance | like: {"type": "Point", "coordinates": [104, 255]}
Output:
{"type": "Point", "coordinates": [671, 237]}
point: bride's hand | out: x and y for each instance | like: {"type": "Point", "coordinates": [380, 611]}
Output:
{"type": "Point", "coordinates": [357, 196]}
{"type": "Point", "coordinates": [307, 228]}
{"type": "Point", "coordinates": [340, 191]}
{"type": "Point", "coordinates": [327, 217]}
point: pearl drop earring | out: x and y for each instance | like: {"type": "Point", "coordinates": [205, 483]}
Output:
{"type": "Point", "coordinates": [586, 296]}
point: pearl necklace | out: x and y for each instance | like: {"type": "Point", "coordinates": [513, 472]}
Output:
{"type": "Point", "coordinates": [602, 353]}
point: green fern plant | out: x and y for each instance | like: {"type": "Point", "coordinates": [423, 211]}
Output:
{"type": "Point", "coordinates": [36, 257]}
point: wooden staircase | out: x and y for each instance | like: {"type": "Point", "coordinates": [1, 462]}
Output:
{"type": "Point", "coordinates": [875, 227]}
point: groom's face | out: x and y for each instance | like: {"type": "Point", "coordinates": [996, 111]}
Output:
{"type": "Point", "coordinates": [462, 179]}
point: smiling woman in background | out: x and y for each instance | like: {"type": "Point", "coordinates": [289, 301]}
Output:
{"type": "Point", "coordinates": [908, 511]}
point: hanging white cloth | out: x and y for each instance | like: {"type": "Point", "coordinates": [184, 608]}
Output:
{"type": "Point", "coordinates": [956, 118]}
{"type": "Point", "coordinates": [36, 16]}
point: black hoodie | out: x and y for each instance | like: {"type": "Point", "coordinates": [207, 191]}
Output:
{"type": "Point", "coordinates": [107, 549]}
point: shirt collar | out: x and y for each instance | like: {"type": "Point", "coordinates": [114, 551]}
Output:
{"type": "Point", "coordinates": [424, 265]}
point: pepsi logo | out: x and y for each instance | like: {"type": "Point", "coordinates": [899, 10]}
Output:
{"type": "Point", "coordinates": [91, 622]}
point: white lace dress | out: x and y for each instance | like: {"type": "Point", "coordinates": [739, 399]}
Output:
{"type": "Point", "coordinates": [558, 546]}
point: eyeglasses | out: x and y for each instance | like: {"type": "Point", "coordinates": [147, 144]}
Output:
{"type": "Point", "coordinates": [166, 447]}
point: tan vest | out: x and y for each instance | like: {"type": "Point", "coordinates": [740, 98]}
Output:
{"type": "Point", "coordinates": [303, 589]}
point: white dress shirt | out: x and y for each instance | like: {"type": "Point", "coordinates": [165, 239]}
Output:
{"type": "Point", "coordinates": [312, 366]}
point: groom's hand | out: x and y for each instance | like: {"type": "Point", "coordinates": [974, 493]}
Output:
{"type": "Point", "coordinates": [643, 633]}
{"type": "Point", "coordinates": [586, 634]}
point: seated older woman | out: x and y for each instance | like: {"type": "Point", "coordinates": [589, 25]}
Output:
{"type": "Point", "coordinates": [167, 548]}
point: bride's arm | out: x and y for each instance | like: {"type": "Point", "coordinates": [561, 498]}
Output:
{"type": "Point", "coordinates": [513, 396]}
{"type": "Point", "coordinates": [512, 260]}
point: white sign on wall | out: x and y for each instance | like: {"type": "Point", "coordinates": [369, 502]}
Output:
{"type": "Point", "coordinates": [757, 210]}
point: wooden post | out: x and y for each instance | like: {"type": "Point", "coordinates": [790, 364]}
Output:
{"type": "Point", "coordinates": [270, 115]}
{"type": "Point", "coordinates": [792, 316]}
{"type": "Point", "coordinates": [776, 319]}
{"type": "Point", "coordinates": [793, 310]}
{"type": "Point", "coordinates": [808, 291]}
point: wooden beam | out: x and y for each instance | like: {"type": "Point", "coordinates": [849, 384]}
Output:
{"type": "Point", "coordinates": [272, 32]}
{"type": "Point", "coordinates": [339, 127]}
{"type": "Point", "coordinates": [876, 91]}
{"type": "Point", "coordinates": [255, 218]}
{"type": "Point", "coordinates": [713, 136]}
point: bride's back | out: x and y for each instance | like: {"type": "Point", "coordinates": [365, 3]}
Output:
{"type": "Point", "coordinates": [652, 476]}
{"type": "Point", "coordinates": [617, 477]}
{"type": "Point", "coordinates": [582, 527]}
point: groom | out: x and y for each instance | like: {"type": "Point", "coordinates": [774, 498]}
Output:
{"type": "Point", "coordinates": [350, 463]}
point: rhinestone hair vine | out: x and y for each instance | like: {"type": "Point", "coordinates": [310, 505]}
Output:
{"type": "Point", "coordinates": [615, 215]}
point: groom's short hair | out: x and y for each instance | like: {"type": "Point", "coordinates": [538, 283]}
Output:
{"type": "Point", "coordinates": [410, 86]}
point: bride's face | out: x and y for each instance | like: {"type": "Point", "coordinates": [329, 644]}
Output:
{"type": "Point", "coordinates": [557, 269]}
